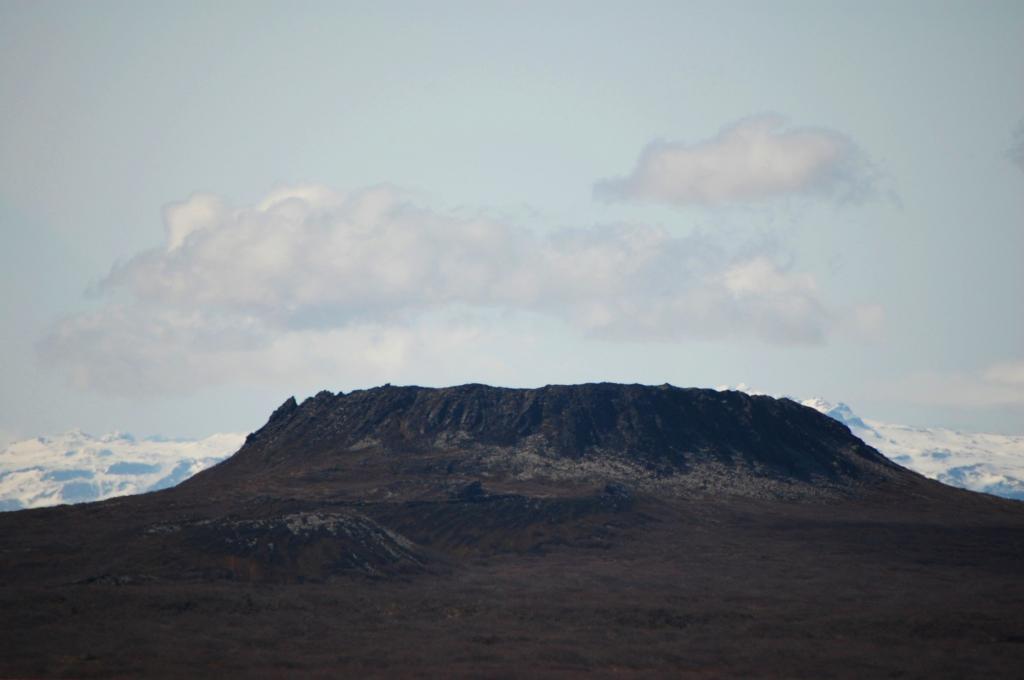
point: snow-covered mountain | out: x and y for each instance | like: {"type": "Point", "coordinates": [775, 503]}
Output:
{"type": "Point", "coordinates": [75, 467]}
{"type": "Point", "coordinates": [991, 463]}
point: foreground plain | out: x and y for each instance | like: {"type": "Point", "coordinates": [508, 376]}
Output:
{"type": "Point", "coordinates": [428, 549]}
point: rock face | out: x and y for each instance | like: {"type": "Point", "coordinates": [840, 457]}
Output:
{"type": "Point", "coordinates": [663, 436]}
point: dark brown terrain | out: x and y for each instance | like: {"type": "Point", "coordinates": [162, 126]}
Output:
{"type": "Point", "coordinates": [612, 530]}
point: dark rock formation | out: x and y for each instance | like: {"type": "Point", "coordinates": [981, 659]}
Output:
{"type": "Point", "coordinates": [663, 436]}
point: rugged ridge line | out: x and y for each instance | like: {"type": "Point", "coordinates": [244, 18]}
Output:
{"type": "Point", "coordinates": [560, 431]}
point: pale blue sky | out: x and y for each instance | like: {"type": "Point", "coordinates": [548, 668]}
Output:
{"type": "Point", "coordinates": [510, 112]}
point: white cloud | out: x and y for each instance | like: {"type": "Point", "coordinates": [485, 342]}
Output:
{"type": "Point", "coordinates": [185, 217]}
{"type": "Point", "coordinates": [1000, 384]}
{"type": "Point", "coordinates": [754, 159]}
{"type": "Point", "coordinates": [1006, 373]}
{"type": "Point", "coordinates": [362, 283]}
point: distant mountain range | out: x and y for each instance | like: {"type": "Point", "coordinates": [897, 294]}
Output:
{"type": "Point", "coordinates": [990, 463]}
{"type": "Point", "coordinates": [76, 467]}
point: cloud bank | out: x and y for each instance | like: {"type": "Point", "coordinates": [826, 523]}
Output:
{"type": "Point", "coordinates": [363, 283]}
{"type": "Point", "coordinates": [755, 159]}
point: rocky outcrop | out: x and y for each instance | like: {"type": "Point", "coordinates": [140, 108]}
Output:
{"type": "Point", "coordinates": [594, 433]}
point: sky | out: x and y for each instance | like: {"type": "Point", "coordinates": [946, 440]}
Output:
{"type": "Point", "coordinates": [208, 207]}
